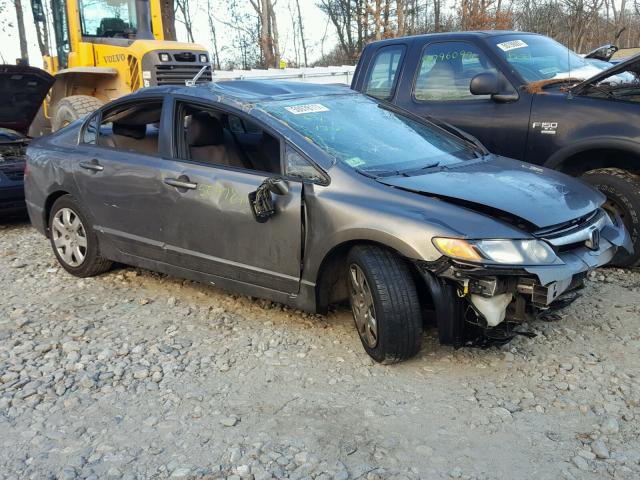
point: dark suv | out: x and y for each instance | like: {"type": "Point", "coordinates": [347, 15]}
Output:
{"type": "Point", "coordinates": [523, 96]}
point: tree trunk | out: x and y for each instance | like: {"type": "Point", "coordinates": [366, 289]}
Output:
{"type": "Point", "coordinates": [24, 49]}
{"type": "Point", "coordinates": [168, 14]}
{"type": "Point", "coordinates": [215, 61]}
{"type": "Point", "coordinates": [400, 15]}
{"type": "Point", "coordinates": [304, 45]}
{"type": "Point", "coordinates": [274, 40]}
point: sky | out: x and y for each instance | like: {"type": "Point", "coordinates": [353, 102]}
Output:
{"type": "Point", "coordinates": [315, 24]}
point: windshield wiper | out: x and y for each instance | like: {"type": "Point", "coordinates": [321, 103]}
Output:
{"type": "Point", "coordinates": [382, 173]}
{"type": "Point", "coordinates": [604, 91]}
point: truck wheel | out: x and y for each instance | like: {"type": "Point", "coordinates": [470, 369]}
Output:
{"type": "Point", "coordinates": [73, 239]}
{"type": "Point", "coordinates": [622, 189]}
{"type": "Point", "coordinates": [70, 109]}
{"type": "Point", "coordinates": [385, 304]}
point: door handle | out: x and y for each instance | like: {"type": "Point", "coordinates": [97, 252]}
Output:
{"type": "Point", "coordinates": [181, 182]}
{"type": "Point", "coordinates": [92, 165]}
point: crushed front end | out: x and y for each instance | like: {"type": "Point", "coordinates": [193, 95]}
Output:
{"type": "Point", "coordinates": [495, 297]}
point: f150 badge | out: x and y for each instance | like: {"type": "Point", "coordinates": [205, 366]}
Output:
{"type": "Point", "coordinates": [546, 128]}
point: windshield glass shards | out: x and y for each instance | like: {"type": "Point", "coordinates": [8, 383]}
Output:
{"type": "Point", "coordinates": [377, 141]}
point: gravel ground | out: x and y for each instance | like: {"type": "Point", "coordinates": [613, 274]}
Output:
{"type": "Point", "coordinates": [139, 375]}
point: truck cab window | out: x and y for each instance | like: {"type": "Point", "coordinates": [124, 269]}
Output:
{"type": "Point", "coordinates": [446, 70]}
{"type": "Point", "coordinates": [383, 75]}
{"type": "Point", "coordinates": [108, 18]}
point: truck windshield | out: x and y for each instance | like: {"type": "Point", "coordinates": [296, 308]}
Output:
{"type": "Point", "coordinates": [359, 132]}
{"type": "Point", "coordinates": [536, 57]}
{"type": "Point", "coordinates": [108, 18]}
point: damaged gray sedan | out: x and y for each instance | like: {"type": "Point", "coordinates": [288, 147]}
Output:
{"type": "Point", "coordinates": [313, 195]}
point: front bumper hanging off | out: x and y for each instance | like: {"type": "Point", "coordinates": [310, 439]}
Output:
{"type": "Point", "coordinates": [499, 293]}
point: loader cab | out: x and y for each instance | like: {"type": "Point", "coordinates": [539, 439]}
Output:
{"type": "Point", "coordinates": [105, 49]}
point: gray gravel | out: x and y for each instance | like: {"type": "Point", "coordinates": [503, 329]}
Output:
{"type": "Point", "coordinates": [138, 375]}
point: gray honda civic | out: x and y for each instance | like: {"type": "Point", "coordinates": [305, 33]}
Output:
{"type": "Point", "coordinates": [313, 195]}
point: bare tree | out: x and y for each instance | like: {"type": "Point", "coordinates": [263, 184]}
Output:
{"type": "Point", "coordinates": [168, 13]}
{"type": "Point", "coordinates": [42, 29]}
{"type": "Point", "coordinates": [184, 8]}
{"type": "Point", "coordinates": [301, 32]}
{"type": "Point", "coordinates": [214, 37]}
{"type": "Point", "coordinates": [268, 31]}
{"type": "Point", "coordinates": [22, 35]}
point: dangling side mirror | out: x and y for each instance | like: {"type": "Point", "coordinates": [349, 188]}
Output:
{"type": "Point", "coordinates": [261, 202]}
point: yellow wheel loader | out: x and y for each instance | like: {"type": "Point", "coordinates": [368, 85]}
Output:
{"type": "Point", "coordinates": [108, 48]}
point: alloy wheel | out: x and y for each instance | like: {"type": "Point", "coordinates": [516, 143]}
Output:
{"type": "Point", "coordinates": [69, 237]}
{"type": "Point", "coordinates": [362, 305]}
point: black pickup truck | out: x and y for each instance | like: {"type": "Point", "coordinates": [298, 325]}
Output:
{"type": "Point", "coordinates": [523, 96]}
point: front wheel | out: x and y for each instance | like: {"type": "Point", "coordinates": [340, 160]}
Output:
{"type": "Point", "coordinates": [622, 189]}
{"type": "Point", "coordinates": [385, 304]}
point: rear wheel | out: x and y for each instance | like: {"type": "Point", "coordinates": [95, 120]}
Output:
{"type": "Point", "coordinates": [385, 304]}
{"type": "Point", "coordinates": [70, 109]}
{"type": "Point", "coordinates": [622, 189]}
{"type": "Point", "coordinates": [73, 239]}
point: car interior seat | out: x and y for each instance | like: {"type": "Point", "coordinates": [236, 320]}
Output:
{"type": "Point", "coordinates": [110, 27]}
{"type": "Point", "coordinates": [207, 141]}
{"type": "Point", "coordinates": [440, 83]}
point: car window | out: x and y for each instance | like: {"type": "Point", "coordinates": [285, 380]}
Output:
{"type": "Point", "coordinates": [384, 72]}
{"type": "Point", "coordinates": [387, 142]}
{"type": "Point", "coordinates": [297, 166]}
{"type": "Point", "coordinates": [216, 137]}
{"type": "Point", "coordinates": [132, 127]}
{"type": "Point", "coordinates": [90, 133]}
{"type": "Point", "coordinates": [446, 70]}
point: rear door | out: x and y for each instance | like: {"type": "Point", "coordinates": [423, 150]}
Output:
{"type": "Point", "coordinates": [122, 185]}
{"type": "Point", "coordinates": [436, 83]}
{"type": "Point", "coordinates": [210, 226]}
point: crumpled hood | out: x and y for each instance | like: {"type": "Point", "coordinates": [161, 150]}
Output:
{"type": "Point", "coordinates": [22, 91]}
{"type": "Point", "coordinates": [537, 195]}
{"type": "Point", "coordinates": [632, 64]}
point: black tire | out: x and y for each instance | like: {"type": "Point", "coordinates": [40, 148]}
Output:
{"type": "Point", "coordinates": [70, 109]}
{"type": "Point", "coordinates": [93, 263]}
{"type": "Point", "coordinates": [622, 189]}
{"type": "Point", "coordinates": [395, 300]}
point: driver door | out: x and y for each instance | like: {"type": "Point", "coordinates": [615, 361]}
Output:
{"type": "Point", "coordinates": [440, 89]}
{"type": "Point", "coordinates": [210, 226]}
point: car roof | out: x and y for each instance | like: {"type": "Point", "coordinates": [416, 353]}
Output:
{"type": "Point", "coordinates": [445, 35]}
{"type": "Point", "coordinates": [249, 92]}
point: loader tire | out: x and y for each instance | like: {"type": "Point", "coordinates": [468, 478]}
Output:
{"type": "Point", "coordinates": [70, 109]}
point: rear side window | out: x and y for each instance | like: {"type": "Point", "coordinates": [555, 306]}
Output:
{"type": "Point", "coordinates": [132, 127]}
{"type": "Point", "coordinates": [383, 75]}
{"type": "Point", "coordinates": [446, 70]}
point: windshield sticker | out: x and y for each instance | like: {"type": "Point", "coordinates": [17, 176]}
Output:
{"type": "Point", "coordinates": [546, 128]}
{"type": "Point", "coordinates": [512, 45]}
{"type": "Point", "coordinates": [308, 108]}
{"type": "Point", "coordinates": [355, 162]}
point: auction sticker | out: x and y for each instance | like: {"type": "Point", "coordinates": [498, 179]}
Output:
{"type": "Point", "coordinates": [512, 45]}
{"type": "Point", "coordinates": [308, 108]}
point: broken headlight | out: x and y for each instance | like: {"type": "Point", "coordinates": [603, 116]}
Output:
{"type": "Point", "coordinates": [507, 252]}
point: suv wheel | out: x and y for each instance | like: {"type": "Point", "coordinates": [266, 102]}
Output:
{"type": "Point", "coordinates": [385, 304]}
{"type": "Point", "coordinates": [622, 189]}
{"type": "Point", "coordinates": [73, 239]}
